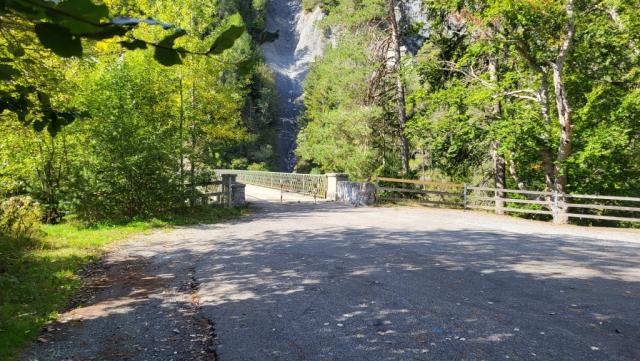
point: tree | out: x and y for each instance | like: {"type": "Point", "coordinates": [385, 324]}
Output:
{"type": "Point", "coordinates": [342, 129]}
{"type": "Point", "coordinates": [139, 141]}
{"type": "Point", "coordinates": [373, 106]}
{"type": "Point", "coordinates": [400, 91]}
{"type": "Point", "coordinates": [61, 28]}
{"type": "Point", "coordinates": [529, 59]}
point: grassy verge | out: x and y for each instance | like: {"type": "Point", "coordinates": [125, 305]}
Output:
{"type": "Point", "coordinates": [39, 276]}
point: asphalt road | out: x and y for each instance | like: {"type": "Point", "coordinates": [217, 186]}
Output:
{"type": "Point", "coordinates": [305, 281]}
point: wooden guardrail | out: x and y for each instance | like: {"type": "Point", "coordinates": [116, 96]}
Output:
{"type": "Point", "coordinates": [510, 200]}
{"type": "Point", "coordinates": [207, 192]}
{"type": "Point", "coordinates": [552, 202]}
{"type": "Point", "coordinates": [475, 201]}
{"type": "Point", "coordinates": [429, 192]}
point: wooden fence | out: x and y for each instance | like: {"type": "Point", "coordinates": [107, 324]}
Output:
{"type": "Point", "coordinates": [553, 204]}
{"type": "Point", "coordinates": [429, 192]}
{"type": "Point", "coordinates": [207, 192]}
{"type": "Point", "coordinates": [476, 198]}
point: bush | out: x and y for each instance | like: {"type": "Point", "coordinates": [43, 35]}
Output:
{"type": "Point", "coordinates": [309, 5]}
{"type": "Point", "coordinates": [258, 166]}
{"type": "Point", "coordinates": [20, 217]}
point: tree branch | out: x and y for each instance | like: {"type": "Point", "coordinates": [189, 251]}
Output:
{"type": "Point", "coordinates": [571, 28]}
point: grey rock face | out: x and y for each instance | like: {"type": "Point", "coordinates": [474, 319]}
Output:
{"type": "Point", "coordinates": [414, 14]}
{"type": "Point", "coordinates": [298, 44]}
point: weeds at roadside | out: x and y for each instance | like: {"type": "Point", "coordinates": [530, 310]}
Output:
{"type": "Point", "coordinates": [39, 275]}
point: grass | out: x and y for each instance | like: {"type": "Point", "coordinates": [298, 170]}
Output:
{"type": "Point", "coordinates": [38, 276]}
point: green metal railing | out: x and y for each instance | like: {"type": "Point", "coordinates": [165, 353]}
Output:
{"type": "Point", "coordinates": [309, 184]}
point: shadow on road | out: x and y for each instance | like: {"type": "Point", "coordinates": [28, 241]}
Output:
{"type": "Point", "coordinates": [378, 294]}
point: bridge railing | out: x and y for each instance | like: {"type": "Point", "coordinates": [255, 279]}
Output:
{"type": "Point", "coordinates": [309, 184]}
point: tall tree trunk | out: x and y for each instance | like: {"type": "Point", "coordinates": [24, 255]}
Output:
{"type": "Point", "coordinates": [192, 170]}
{"type": "Point", "coordinates": [564, 116]}
{"type": "Point", "coordinates": [542, 98]}
{"type": "Point", "coordinates": [549, 169]}
{"type": "Point", "coordinates": [546, 152]}
{"type": "Point", "coordinates": [498, 159]}
{"type": "Point", "coordinates": [556, 172]}
{"type": "Point", "coordinates": [400, 91]}
{"type": "Point", "coordinates": [514, 174]}
{"type": "Point", "coordinates": [181, 138]}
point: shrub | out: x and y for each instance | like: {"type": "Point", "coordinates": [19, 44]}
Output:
{"type": "Point", "coordinates": [20, 217]}
{"type": "Point", "coordinates": [258, 166]}
{"type": "Point", "coordinates": [309, 5]}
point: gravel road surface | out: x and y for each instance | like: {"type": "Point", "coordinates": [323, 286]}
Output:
{"type": "Point", "coordinates": [305, 281]}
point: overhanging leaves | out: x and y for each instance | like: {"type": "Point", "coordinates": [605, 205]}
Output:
{"type": "Point", "coordinates": [81, 16]}
{"type": "Point", "coordinates": [59, 39]}
{"type": "Point", "coordinates": [7, 72]}
{"type": "Point", "coordinates": [106, 32]}
{"type": "Point", "coordinates": [16, 50]}
{"type": "Point", "coordinates": [133, 44]}
{"type": "Point", "coordinates": [226, 39]}
{"type": "Point", "coordinates": [165, 54]}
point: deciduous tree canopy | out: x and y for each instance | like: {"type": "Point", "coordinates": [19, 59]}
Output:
{"type": "Point", "coordinates": [108, 109]}
{"type": "Point", "coordinates": [511, 93]}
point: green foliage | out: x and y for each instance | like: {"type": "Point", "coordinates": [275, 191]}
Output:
{"type": "Point", "coordinates": [354, 14]}
{"type": "Point", "coordinates": [130, 168]}
{"type": "Point", "coordinates": [146, 129]}
{"type": "Point", "coordinates": [458, 108]}
{"type": "Point", "coordinates": [257, 167]}
{"type": "Point", "coordinates": [61, 27]}
{"type": "Point", "coordinates": [450, 134]}
{"type": "Point", "coordinates": [608, 164]}
{"type": "Point", "coordinates": [340, 142]}
{"type": "Point", "coordinates": [339, 130]}
{"type": "Point", "coordinates": [309, 5]}
{"type": "Point", "coordinates": [20, 217]}
{"type": "Point", "coordinates": [600, 78]}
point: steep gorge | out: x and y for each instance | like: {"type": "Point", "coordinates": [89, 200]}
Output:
{"type": "Point", "coordinates": [299, 42]}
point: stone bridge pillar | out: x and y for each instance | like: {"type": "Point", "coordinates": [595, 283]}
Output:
{"type": "Point", "coordinates": [237, 194]}
{"type": "Point", "coordinates": [233, 192]}
{"type": "Point", "coordinates": [332, 184]}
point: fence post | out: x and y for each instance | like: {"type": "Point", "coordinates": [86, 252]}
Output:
{"type": "Point", "coordinates": [230, 192]}
{"type": "Point", "coordinates": [465, 197]}
{"type": "Point", "coordinates": [554, 207]}
{"type": "Point", "coordinates": [375, 194]}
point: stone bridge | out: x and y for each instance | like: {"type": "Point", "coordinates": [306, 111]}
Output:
{"type": "Point", "coordinates": [332, 186]}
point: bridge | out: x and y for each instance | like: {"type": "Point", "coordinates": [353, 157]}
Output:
{"type": "Point", "coordinates": [305, 279]}
{"type": "Point", "coordinates": [336, 187]}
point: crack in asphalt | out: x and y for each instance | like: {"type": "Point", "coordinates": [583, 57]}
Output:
{"type": "Point", "coordinates": [209, 340]}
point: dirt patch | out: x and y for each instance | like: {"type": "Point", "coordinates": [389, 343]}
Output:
{"type": "Point", "coordinates": [131, 307]}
